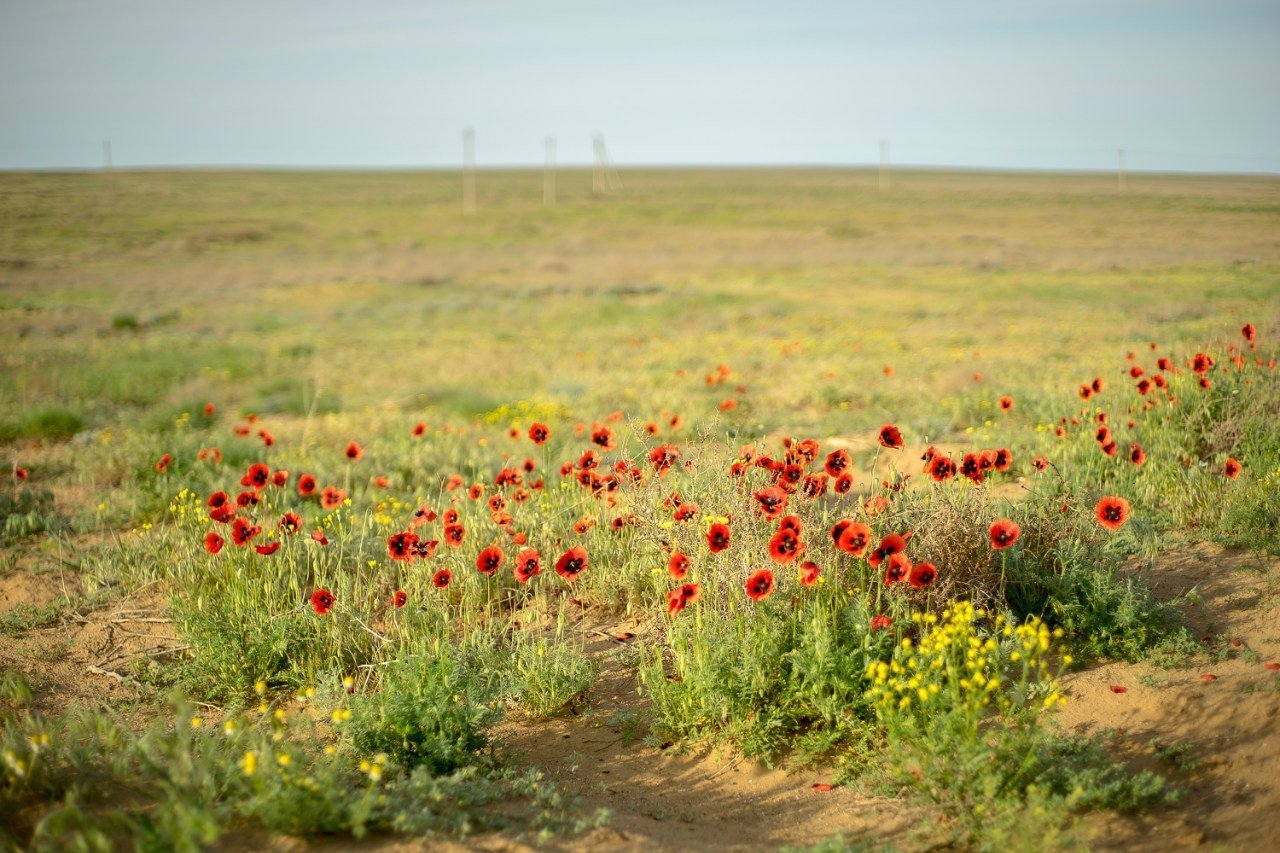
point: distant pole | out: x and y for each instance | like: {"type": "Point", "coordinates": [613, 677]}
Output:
{"type": "Point", "coordinates": [604, 178]}
{"type": "Point", "coordinates": [106, 154]}
{"type": "Point", "coordinates": [549, 174]}
{"type": "Point", "coordinates": [597, 168]}
{"type": "Point", "coordinates": [884, 164]}
{"type": "Point", "coordinates": [1119, 170]}
{"type": "Point", "coordinates": [469, 172]}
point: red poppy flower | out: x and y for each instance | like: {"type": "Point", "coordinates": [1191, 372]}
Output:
{"type": "Point", "coordinates": [941, 468]}
{"type": "Point", "coordinates": [572, 563]}
{"type": "Point", "coordinates": [844, 483]}
{"type": "Point", "coordinates": [306, 485]}
{"type": "Point", "coordinates": [399, 598]}
{"type": "Point", "coordinates": [682, 596]}
{"type": "Point", "coordinates": [528, 564]}
{"type": "Point", "coordinates": [268, 549]}
{"type": "Point", "coordinates": [759, 585]}
{"type": "Point", "coordinates": [1006, 403]}
{"type": "Point", "coordinates": [209, 408]}
{"type": "Point", "coordinates": [792, 523]}
{"type": "Point", "coordinates": [1085, 392]}
{"type": "Point", "coordinates": [838, 461]}
{"type": "Point", "coordinates": [1136, 371]}
{"type": "Point", "coordinates": [419, 429]}
{"type": "Point", "coordinates": [1040, 463]}
{"type": "Point", "coordinates": [318, 536]}
{"type": "Point", "coordinates": [718, 538]}
{"type": "Point", "coordinates": [242, 531]}
{"type": "Point", "coordinates": [785, 546]}
{"type": "Point", "coordinates": [279, 478]}
{"type": "Point", "coordinates": [453, 483]}
{"type": "Point", "coordinates": [268, 439]}
{"type": "Point", "coordinates": [663, 457]}
{"type": "Point", "coordinates": [986, 460]}
{"type": "Point", "coordinates": [20, 473]}
{"type": "Point", "coordinates": [815, 485]}
{"type": "Point", "coordinates": [1003, 459]}
{"type": "Point", "coordinates": [881, 623]}
{"type": "Point", "coordinates": [217, 500]}
{"type": "Point", "coordinates": [897, 568]}
{"type": "Point", "coordinates": [381, 482]}
{"type": "Point", "coordinates": [213, 542]}
{"type": "Point", "coordinates": [247, 498]}
{"type": "Point", "coordinates": [539, 433]}
{"type": "Point", "coordinates": [791, 476]}
{"type": "Point", "coordinates": [1232, 469]}
{"type": "Point", "coordinates": [1164, 364]}
{"type": "Point", "coordinates": [423, 549]}
{"type": "Point", "coordinates": [454, 534]}
{"type": "Point", "coordinates": [588, 460]}
{"type": "Point", "coordinates": [922, 574]}
{"type": "Point", "coordinates": [257, 476]}
{"type": "Point", "coordinates": [476, 492]}
{"type": "Point", "coordinates": [678, 566]}
{"type": "Point", "coordinates": [891, 437]}
{"type": "Point", "coordinates": [772, 500]}
{"type": "Point", "coordinates": [291, 523]}
{"type": "Point", "coordinates": [400, 545]}
{"type": "Point", "coordinates": [450, 516]}
{"type": "Point", "coordinates": [582, 525]}
{"type": "Point", "coordinates": [685, 512]}
{"type": "Point", "coordinates": [322, 601]}
{"type": "Point", "coordinates": [854, 538]}
{"type": "Point", "coordinates": [354, 451]}
{"type": "Point", "coordinates": [1136, 454]}
{"type": "Point", "coordinates": [971, 467]}
{"type": "Point", "coordinates": [604, 438]}
{"type": "Point", "coordinates": [1249, 332]}
{"type": "Point", "coordinates": [1004, 533]}
{"type": "Point", "coordinates": [489, 560]}
{"type": "Point", "coordinates": [892, 544]}
{"type": "Point", "coordinates": [1201, 363]}
{"type": "Point", "coordinates": [162, 464]}
{"type": "Point", "coordinates": [332, 497]}
{"type": "Point", "coordinates": [809, 573]}
{"type": "Point", "coordinates": [441, 578]}
{"type": "Point", "coordinates": [1112, 512]}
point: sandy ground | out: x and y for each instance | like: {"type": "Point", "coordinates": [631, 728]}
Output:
{"type": "Point", "coordinates": [1229, 727]}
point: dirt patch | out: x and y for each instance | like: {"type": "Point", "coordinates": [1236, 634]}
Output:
{"type": "Point", "coordinates": [666, 798]}
{"type": "Point", "coordinates": [1217, 721]}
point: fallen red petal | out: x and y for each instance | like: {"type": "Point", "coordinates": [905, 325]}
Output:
{"type": "Point", "coordinates": [823, 787]}
{"type": "Point", "coordinates": [1116, 688]}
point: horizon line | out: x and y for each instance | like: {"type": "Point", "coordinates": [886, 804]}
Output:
{"type": "Point", "coordinates": [580, 166]}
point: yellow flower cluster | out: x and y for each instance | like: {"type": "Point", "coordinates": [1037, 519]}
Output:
{"type": "Point", "coordinates": [962, 665]}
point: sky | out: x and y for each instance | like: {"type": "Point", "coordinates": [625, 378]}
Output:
{"type": "Point", "coordinates": [1039, 84]}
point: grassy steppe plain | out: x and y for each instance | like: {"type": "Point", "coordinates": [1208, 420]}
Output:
{"type": "Point", "coordinates": [349, 306]}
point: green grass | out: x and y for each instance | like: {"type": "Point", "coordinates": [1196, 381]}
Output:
{"type": "Point", "coordinates": [350, 306]}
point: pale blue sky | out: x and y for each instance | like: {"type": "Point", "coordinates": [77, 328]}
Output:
{"type": "Point", "coordinates": [1006, 83]}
